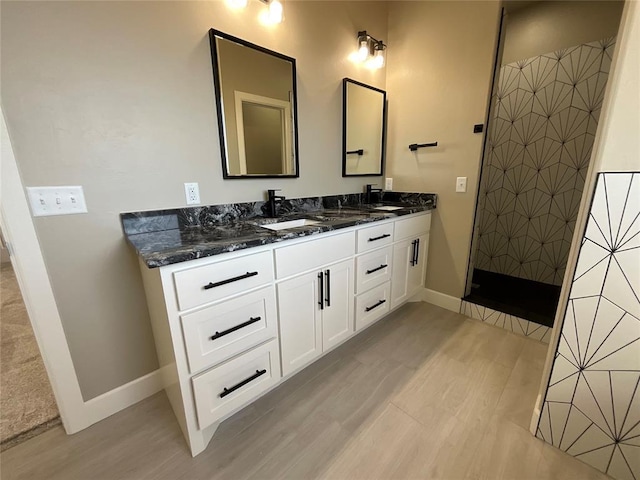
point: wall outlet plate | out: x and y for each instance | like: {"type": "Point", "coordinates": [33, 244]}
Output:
{"type": "Point", "coordinates": [46, 201]}
{"type": "Point", "coordinates": [192, 193]}
{"type": "Point", "coordinates": [388, 184]}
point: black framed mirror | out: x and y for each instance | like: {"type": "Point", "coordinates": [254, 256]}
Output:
{"type": "Point", "coordinates": [364, 124]}
{"type": "Point", "coordinates": [256, 101]}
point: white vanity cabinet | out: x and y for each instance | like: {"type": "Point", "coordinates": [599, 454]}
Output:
{"type": "Point", "coordinates": [409, 258]}
{"type": "Point", "coordinates": [315, 297]}
{"type": "Point", "coordinates": [229, 327]}
{"type": "Point", "coordinates": [316, 313]}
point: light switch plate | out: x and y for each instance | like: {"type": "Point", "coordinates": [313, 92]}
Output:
{"type": "Point", "coordinates": [388, 184]}
{"type": "Point", "coordinates": [461, 184]}
{"type": "Point", "coordinates": [47, 201]}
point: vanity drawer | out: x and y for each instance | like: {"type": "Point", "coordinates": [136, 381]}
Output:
{"type": "Point", "coordinates": [372, 305]}
{"type": "Point", "coordinates": [412, 227]}
{"type": "Point", "coordinates": [228, 387]}
{"type": "Point", "coordinates": [373, 268]}
{"type": "Point", "coordinates": [375, 237]}
{"type": "Point", "coordinates": [316, 253]}
{"type": "Point", "coordinates": [216, 281]}
{"type": "Point", "coordinates": [222, 331]}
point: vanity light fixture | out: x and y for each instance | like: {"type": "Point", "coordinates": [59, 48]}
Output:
{"type": "Point", "coordinates": [274, 13]}
{"type": "Point", "coordinates": [370, 51]}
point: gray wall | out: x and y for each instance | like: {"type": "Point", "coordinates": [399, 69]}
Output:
{"type": "Point", "coordinates": [118, 97]}
{"type": "Point", "coordinates": [439, 69]}
{"type": "Point", "coordinates": [547, 26]}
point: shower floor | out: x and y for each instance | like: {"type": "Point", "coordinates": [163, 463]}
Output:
{"type": "Point", "coordinates": [533, 301]}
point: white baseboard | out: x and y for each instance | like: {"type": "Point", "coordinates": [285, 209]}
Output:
{"type": "Point", "coordinates": [122, 397]}
{"type": "Point", "coordinates": [441, 300]}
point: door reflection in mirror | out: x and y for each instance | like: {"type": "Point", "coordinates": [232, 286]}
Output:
{"type": "Point", "coordinates": [364, 128]}
{"type": "Point", "coordinates": [256, 101]}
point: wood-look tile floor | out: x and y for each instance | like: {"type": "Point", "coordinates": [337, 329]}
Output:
{"type": "Point", "coordinates": [425, 393]}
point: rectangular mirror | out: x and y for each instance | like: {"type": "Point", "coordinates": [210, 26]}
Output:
{"type": "Point", "coordinates": [257, 109]}
{"type": "Point", "coordinates": [363, 129]}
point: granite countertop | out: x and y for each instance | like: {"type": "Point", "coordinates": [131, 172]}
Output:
{"type": "Point", "coordinates": [166, 237]}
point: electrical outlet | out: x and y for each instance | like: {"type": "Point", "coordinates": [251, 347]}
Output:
{"type": "Point", "coordinates": [47, 201]}
{"type": "Point", "coordinates": [192, 192]}
{"type": "Point", "coordinates": [388, 184]}
{"type": "Point", "coordinates": [461, 184]}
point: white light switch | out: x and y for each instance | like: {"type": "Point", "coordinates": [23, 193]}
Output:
{"type": "Point", "coordinates": [461, 184]}
{"type": "Point", "coordinates": [388, 184]}
{"type": "Point", "coordinates": [47, 201]}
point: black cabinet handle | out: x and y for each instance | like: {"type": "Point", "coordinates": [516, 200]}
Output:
{"type": "Point", "coordinates": [227, 391]}
{"type": "Point", "coordinates": [376, 269]}
{"type": "Point", "coordinates": [327, 275]}
{"type": "Point", "coordinates": [229, 280]}
{"type": "Point", "coordinates": [417, 250]}
{"type": "Point", "coordinates": [233, 329]}
{"type": "Point", "coordinates": [380, 237]}
{"type": "Point", "coordinates": [321, 298]}
{"type": "Point", "coordinates": [359, 152]}
{"type": "Point", "coordinates": [412, 262]}
{"type": "Point", "coordinates": [368, 309]}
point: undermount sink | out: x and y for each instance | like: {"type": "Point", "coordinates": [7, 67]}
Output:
{"type": "Point", "coordinates": [303, 222]}
{"type": "Point", "coordinates": [388, 208]}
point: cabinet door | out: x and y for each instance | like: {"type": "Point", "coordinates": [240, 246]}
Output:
{"type": "Point", "coordinates": [300, 327]}
{"type": "Point", "coordinates": [416, 273]}
{"type": "Point", "coordinates": [402, 256]}
{"type": "Point", "coordinates": [337, 315]}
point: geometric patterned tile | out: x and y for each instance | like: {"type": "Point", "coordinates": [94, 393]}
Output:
{"type": "Point", "coordinates": [514, 324]}
{"type": "Point", "coordinates": [596, 370]}
{"type": "Point", "coordinates": [539, 148]}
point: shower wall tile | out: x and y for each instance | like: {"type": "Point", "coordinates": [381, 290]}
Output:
{"type": "Point", "coordinates": [539, 148]}
{"type": "Point", "coordinates": [514, 324]}
{"type": "Point", "coordinates": [592, 405]}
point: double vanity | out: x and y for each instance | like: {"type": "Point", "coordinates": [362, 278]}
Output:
{"type": "Point", "coordinates": [242, 296]}
{"type": "Point", "coordinates": [240, 301]}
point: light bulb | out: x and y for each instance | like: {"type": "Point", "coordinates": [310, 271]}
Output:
{"type": "Point", "coordinates": [237, 4]}
{"type": "Point", "coordinates": [363, 51]}
{"type": "Point", "coordinates": [378, 59]}
{"type": "Point", "coordinates": [275, 11]}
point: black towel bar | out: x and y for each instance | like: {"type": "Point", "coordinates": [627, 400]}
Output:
{"type": "Point", "coordinates": [415, 146]}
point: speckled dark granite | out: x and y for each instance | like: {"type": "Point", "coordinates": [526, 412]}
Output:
{"type": "Point", "coordinates": [164, 237]}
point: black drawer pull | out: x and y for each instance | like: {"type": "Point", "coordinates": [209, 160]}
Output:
{"type": "Point", "coordinates": [230, 280]}
{"type": "Point", "coordinates": [368, 309]}
{"type": "Point", "coordinates": [380, 237]}
{"type": "Point", "coordinates": [227, 391]}
{"type": "Point", "coordinates": [233, 329]}
{"type": "Point", "coordinates": [376, 269]}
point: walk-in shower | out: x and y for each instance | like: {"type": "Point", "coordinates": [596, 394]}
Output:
{"type": "Point", "coordinates": [542, 126]}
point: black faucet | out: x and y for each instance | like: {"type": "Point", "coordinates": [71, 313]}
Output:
{"type": "Point", "coordinates": [273, 201]}
{"type": "Point", "coordinates": [368, 191]}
